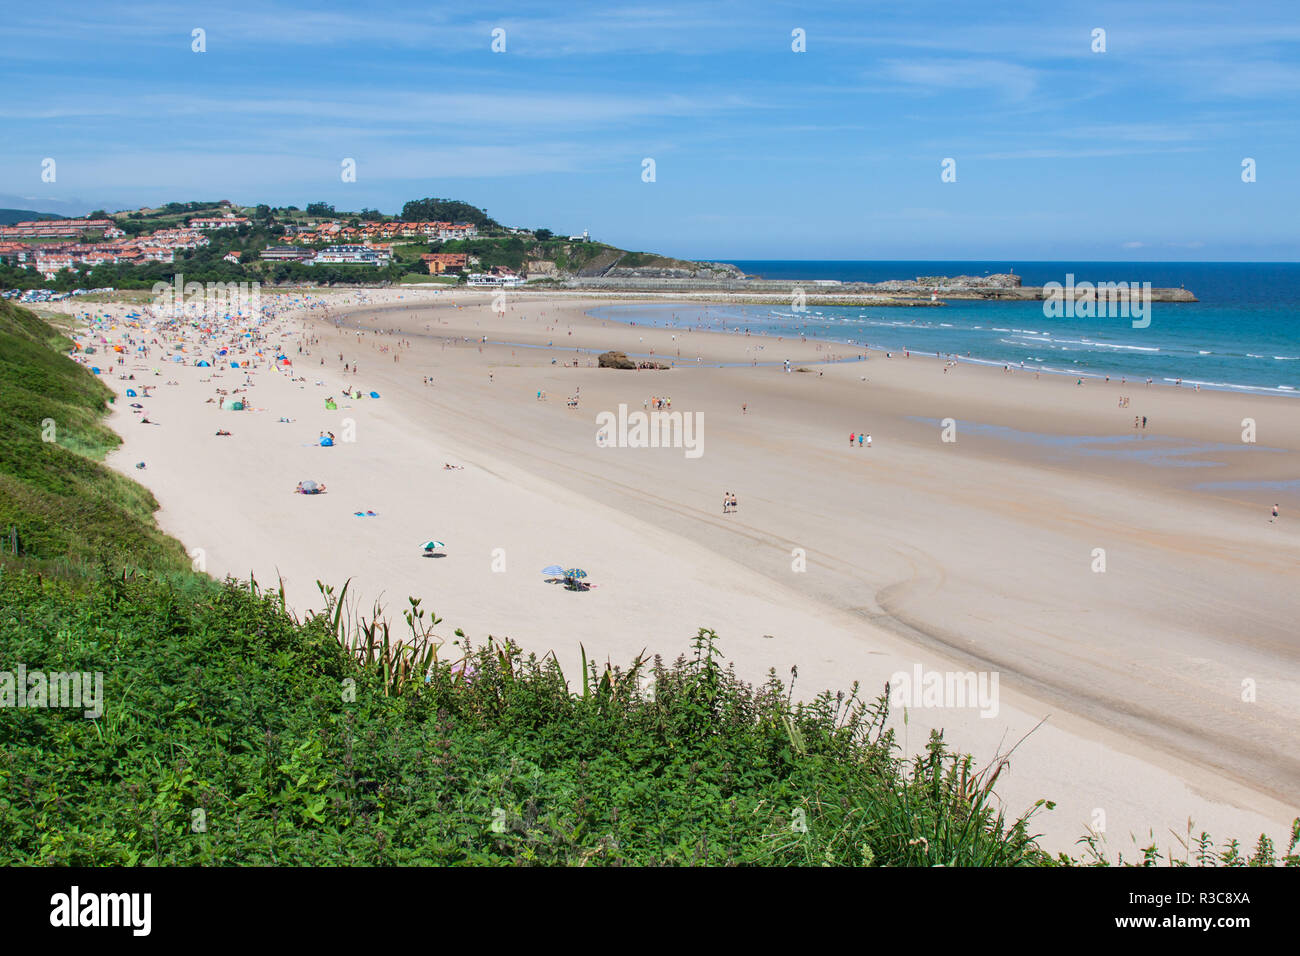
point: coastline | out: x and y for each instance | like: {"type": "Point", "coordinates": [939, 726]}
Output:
{"type": "Point", "coordinates": [878, 589]}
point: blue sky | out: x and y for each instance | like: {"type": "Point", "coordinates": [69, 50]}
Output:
{"type": "Point", "coordinates": [760, 152]}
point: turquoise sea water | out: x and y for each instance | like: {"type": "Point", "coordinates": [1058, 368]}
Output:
{"type": "Point", "coordinates": [1243, 334]}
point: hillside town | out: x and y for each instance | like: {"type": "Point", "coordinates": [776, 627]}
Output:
{"type": "Point", "coordinates": [94, 242]}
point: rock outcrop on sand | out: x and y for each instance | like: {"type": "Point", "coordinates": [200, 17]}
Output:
{"type": "Point", "coordinates": [615, 360]}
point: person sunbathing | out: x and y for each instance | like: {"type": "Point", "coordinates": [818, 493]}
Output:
{"type": "Point", "coordinates": [223, 432]}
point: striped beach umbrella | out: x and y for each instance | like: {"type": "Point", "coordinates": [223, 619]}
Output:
{"type": "Point", "coordinates": [432, 546]}
{"type": "Point", "coordinates": [553, 570]}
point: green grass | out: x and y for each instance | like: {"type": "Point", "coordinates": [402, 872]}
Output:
{"type": "Point", "coordinates": [420, 278]}
{"type": "Point", "coordinates": [295, 751]}
{"type": "Point", "coordinates": [68, 508]}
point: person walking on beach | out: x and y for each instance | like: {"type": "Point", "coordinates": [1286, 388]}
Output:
{"type": "Point", "coordinates": [1144, 423]}
{"type": "Point", "coordinates": [861, 437]}
{"type": "Point", "coordinates": [1275, 515]}
{"type": "Point", "coordinates": [852, 438]}
{"type": "Point", "coordinates": [726, 502]}
{"type": "Point", "coordinates": [868, 441]}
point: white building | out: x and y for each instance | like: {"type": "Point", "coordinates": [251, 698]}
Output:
{"type": "Point", "coordinates": [353, 255]}
{"type": "Point", "coordinates": [227, 221]}
{"type": "Point", "coordinates": [457, 230]}
{"type": "Point", "coordinates": [489, 280]}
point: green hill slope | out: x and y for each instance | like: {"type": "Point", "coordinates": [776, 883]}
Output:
{"type": "Point", "coordinates": [68, 509]}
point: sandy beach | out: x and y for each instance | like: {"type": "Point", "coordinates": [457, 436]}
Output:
{"type": "Point", "coordinates": [1147, 625]}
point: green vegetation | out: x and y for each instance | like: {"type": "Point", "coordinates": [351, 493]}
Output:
{"type": "Point", "coordinates": [70, 512]}
{"type": "Point", "coordinates": [445, 210]}
{"type": "Point", "coordinates": [10, 216]}
{"type": "Point", "coordinates": [233, 732]}
{"type": "Point", "coordinates": [423, 278]}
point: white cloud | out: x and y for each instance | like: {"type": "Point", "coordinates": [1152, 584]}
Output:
{"type": "Point", "coordinates": [1011, 80]}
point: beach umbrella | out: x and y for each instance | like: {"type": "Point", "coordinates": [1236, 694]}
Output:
{"type": "Point", "coordinates": [432, 546]}
{"type": "Point", "coordinates": [553, 570]}
{"type": "Point", "coordinates": [575, 573]}
{"type": "Point", "coordinates": [308, 487]}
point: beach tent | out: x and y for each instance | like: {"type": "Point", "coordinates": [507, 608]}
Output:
{"type": "Point", "coordinates": [331, 404]}
{"type": "Point", "coordinates": [94, 369]}
{"type": "Point", "coordinates": [326, 442]}
{"type": "Point", "coordinates": [203, 363]}
{"type": "Point", "coordinates": [374, 394]}
{"type": "Point", "coordinates": [130, 393]}
{"type": "Point", "coordinates": [233, 405]}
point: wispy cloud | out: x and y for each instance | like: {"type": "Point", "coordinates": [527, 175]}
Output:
{"type": "Point", "coordinates": [1009, 80]}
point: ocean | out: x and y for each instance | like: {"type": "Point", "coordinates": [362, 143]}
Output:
{"type": "Point", "coordinates": [1243, 334]}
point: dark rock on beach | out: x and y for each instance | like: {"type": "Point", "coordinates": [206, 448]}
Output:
{"type": "Point", "coordinates": [615, 360]}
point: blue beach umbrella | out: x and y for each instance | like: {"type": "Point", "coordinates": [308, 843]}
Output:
{"type": "Point", "coordinates": [575, 573]}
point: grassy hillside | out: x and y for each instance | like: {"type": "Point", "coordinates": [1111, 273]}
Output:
{"type": "Point", "coordinates": [10, 216]}
{"type": "Point", "coordinates": [69, 510]}
{"type": "Point", "coordinates": [233, 732]}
